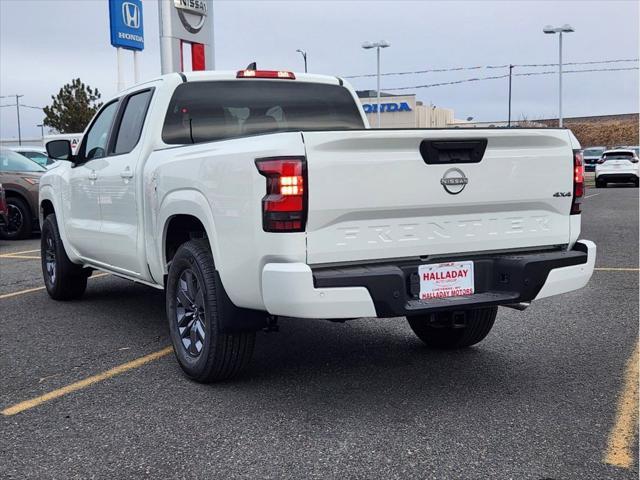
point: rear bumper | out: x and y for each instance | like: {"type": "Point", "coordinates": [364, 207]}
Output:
{"type": "Point", "coordinates": [390, 290]}
{"type": "Point", "coordinates": [618, 176]}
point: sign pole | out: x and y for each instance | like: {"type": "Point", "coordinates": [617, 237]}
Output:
{"type": "Point", "coordinates": [136, 66]}
{"type": "Point", "coordinates": [120, 86]}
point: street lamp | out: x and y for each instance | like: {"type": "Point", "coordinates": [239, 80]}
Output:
{"type": "Point", "coordinates": [566, 28]}
{"type": "Point", "coordinates": [377, 45]}
{"type": "Point", "coordinates": [304, 55]}
{"type": "Point", "coordinates": [41, 129]}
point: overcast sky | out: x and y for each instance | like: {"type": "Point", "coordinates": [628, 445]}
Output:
{"type": "Point", "coordinates": [46, 43]}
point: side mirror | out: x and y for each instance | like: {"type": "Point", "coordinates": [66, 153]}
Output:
{"type": "Point", "coordinates": [59, 149]}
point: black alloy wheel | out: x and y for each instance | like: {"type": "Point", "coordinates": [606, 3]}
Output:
{"type": "Point", "coordinates": [190, 313]}
{"type": "Point", "coordinates": [18, 220]}
{"type": "Point", "coordinates": [50, 257]}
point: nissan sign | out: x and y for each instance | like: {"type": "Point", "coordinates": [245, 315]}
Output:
{"type": "Point", "coordinates": [125, 18]}
{"type": "Point", "coordinates": [196, 7]}
{"type": "Point", "coordinates": [386, 107]}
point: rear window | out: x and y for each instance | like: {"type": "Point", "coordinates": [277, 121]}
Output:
{"type": "Point", "coordinates": [592, 152]}
{"type": "Point", "coordinates": [206, 111]}
{"type": "Point", "coordinates": [618, 156]}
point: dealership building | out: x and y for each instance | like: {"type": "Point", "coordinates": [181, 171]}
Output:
{"type": "Point", "coordinates": [404, 111]}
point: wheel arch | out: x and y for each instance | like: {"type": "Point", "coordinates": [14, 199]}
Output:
{"type": "Point", "coordinates": [179, 212]}
{"type": "Point", "coordinates": [46, 206]}
{"type": "Point", "coordinates": [11, 192]}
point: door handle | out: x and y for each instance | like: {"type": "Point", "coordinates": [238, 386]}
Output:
{"type": "Point", "coordinates": [126, 173]}
{"type": "Point", "coordinates": [93, 176]}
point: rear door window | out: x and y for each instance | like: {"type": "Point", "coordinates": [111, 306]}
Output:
{"type": "Point", "coordinates": [132, 121]}
{"type": "Point", "coordinates": [216, 110]}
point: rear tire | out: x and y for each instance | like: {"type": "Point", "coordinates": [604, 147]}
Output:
{"type": "Point", "coordinates": [194, 312]}
{"type": "Point", "coordinates": [601, 184]}
{"type": "Point", "coordinates": [63, 279]}
{"type": "Point", "coordinates": [20, 220]}
{"type": "Point", "coordinates": [445, 330]}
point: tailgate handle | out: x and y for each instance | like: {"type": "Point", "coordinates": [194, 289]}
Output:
{"type": "Point", "coordinates": [443, 152]}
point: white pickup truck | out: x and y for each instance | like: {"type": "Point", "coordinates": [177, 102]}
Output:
{"type": "Point", "coordinates": [256, 194]}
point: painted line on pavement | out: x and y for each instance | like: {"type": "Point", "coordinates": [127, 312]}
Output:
{"type": "Point", "coordinates": [18, 253]}
{"type": "Point", "coordinates": [20, 256]}
{"type": "Point", "coordinates": [60, 392]}
{"type": "Point", "coordinates": [616, 269]}
{"type": "Point", "coordinates": [37, 289]}
{"type": "Point", "coordinates": [622, 437]}
{"type": "Point", "coordinates": [592, 195]}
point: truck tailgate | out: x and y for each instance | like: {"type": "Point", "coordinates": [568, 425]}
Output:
{"type": "Point", "coordinates": [376, 194]}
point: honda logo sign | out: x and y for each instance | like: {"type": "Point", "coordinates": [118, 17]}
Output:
{"type": "Point", "coordinates": [126, 22]}
{"type": "Point", "coordinates": [131, 15]}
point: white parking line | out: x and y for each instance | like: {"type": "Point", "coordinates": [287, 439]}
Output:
{"type": "Point", "coordinates": [592, 195]}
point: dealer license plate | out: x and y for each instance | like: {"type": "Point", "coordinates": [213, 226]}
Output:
{"type": "Point", "coordinates": [442, 280]}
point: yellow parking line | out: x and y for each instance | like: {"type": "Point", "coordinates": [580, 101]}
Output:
{"type": "Point", "coordinates": [37, 289]}
{"type": "Point", "coordinates": [617, 269]}
{"type": "Point", "coordinates": [18, 253]}
{"type": "Point", "coordinates": [622, 437]}
{"type": "Point", "coordinates": [21, 256]}
{"type": "Point", "coordinates": [21, 292]}
{"type": "Point", "coordinates": [34, 402]}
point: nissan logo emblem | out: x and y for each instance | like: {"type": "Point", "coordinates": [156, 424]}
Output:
{"type": "Point", "coordinates": [196, 7]}
{"type": "Point", "coordinates": [454, 181]}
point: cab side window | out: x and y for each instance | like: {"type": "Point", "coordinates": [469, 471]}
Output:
{"type": "Point", "coordinates": [98, 135]}
{"type": "Point", "coordinates": [132, 121]}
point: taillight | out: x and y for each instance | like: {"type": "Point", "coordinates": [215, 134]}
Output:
{"type": "Point", "coordinates": [578, 182]}
{"type": "Point", "coordinates": [266, 74]}
{"type": "Point", "coordinates": [284, 207]}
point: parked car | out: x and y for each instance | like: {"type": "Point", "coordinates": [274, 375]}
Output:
{"type": "Point", "coordinates": [4, 212]}
{"type": "Point", "coordinates": [617, 166]}
{"type": "Point", "coordinates": [591, 157]}
{"type": "Point", "coordinates": [38, 155]}
{"type": "Point", "coordinates": [256, 194]}
{"type": "Point", "coordinates": [19, 177]}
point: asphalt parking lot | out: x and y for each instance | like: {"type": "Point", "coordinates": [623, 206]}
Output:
{"type": "Point", "coordinates": [550, 394]}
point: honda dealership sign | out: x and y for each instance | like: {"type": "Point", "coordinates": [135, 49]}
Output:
{"type": "Point", "coordinates": [186, 35]}
{"type": "Point", "coordinates": [125, 18]}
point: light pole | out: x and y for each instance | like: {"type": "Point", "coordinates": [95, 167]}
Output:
{"type": "Point", "coordinates": [304, 55]}
{"type": "Point", "coordinates": [377, 45]}
{"type": "Point", "coordinates": [17, 113]}
{"type": "Point", "coordinates": [510, 75]}
{"type": "Point", "coordinates": [41, 125]}
{"type": "Point", "coordinates": [566, 28]}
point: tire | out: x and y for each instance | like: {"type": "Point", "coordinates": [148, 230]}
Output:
{"type": "Point", "coordinates": [443, 330]}
{"type": "Point", "coordinates": [636, 182]}
{"type": "Point", "coordinates": [601, 184]}
{"type": "Point", "coordinates": [63, 279]}
{"type": "Point", "coordinates": [194, 311]}
{"type": "Point", "coordinates": [20, 220]}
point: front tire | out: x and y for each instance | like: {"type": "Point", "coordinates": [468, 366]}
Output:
{"type": "Point", "coordinates": [63, 279]}
{"type": "Point", "coordinates": [19, 225]}
{"type": "Point", "coordinates": [449, 330]}
{"type": "Point", "coordinates": [194, 312]}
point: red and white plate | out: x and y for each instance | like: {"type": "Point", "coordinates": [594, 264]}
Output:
{"type": "Point", "coordinates": [442, 280]}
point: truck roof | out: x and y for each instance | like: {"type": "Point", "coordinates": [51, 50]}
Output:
{"type": "Point", "coordinates": [213, 75]}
